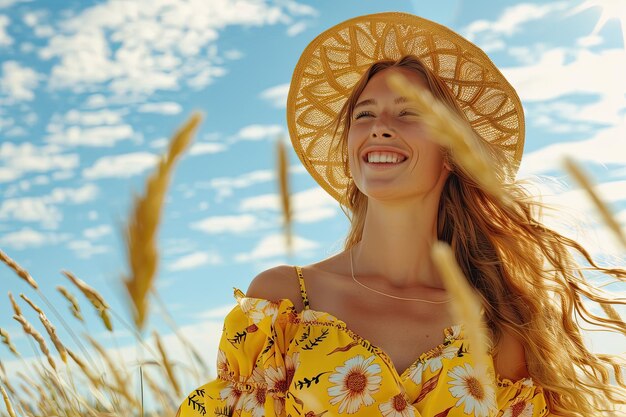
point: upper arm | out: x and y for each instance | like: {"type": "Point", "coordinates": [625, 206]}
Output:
{"type": "Point", "coordinates": [510, 358]}
{"type": "Point", "coordinates": [277, 283]}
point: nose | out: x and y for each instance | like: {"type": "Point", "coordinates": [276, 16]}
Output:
{"type": "Point", "coordinates": [381, 129]}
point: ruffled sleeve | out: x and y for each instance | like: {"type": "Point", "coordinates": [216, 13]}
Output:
{"type": "Point", "coordinates": [252, 368]}
{"type": "Point", "coordinates": [521, 398]}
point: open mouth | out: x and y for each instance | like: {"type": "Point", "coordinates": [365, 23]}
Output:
{"type": "Point", "coordinates": [385, 159]}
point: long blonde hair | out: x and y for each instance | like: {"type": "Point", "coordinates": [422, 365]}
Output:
{"type": "Point", "coordinates": [526, 274]}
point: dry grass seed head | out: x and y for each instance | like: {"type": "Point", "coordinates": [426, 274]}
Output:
{"type": "Point", "coordinates": [21, 272]}
{"type": "Point", "coordinates": [38, 337]}
{"type": "Point", "coordinates": [6, 339]}
{"type": "Point", "coordinates": [142, 228]}
{"type": "Point", "coordinates": [75, 307]}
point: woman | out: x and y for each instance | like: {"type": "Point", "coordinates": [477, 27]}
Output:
{"type": "Point", "coordinates": [317, 340]}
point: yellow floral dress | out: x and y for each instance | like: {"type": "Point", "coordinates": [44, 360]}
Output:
{"type": "Point", "coordinates": [273, 361]}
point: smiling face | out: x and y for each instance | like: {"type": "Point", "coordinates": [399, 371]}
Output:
{"type": "Point", "coordinates": [382, 118]}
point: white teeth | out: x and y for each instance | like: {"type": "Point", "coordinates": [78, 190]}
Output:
{"type": "Point", "coordinates": [384, 157]}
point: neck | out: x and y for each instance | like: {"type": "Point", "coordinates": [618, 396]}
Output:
{"type": "Point", "coordinates": [396, 242]}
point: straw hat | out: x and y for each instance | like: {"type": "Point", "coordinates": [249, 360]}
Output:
{"type": "Point", "coordinates": [334, 61]}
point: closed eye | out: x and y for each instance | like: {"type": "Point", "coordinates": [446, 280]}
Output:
{"type": "Point", "coordinates": [409, 112]}
{"type": "Point", "coordinates": [363, 114]}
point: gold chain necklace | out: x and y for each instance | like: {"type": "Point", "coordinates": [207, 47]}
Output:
{"type": "Point", "coordinates": [389, 295]}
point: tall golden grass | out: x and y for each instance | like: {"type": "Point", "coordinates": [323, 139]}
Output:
{"type": "Point", "coordinates": [103, 387]}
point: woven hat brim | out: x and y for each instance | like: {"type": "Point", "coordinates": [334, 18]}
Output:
{"type": "Point", "coordinates": [336, 59]}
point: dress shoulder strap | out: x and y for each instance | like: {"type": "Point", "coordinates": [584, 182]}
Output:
{"type": "Point", "coordinates": [305, 298]}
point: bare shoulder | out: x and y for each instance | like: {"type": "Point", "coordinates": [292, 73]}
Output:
{"type": "Point", "coordinates": [510, 357]}
{"type": "Point", "coordinates": [275, 284]}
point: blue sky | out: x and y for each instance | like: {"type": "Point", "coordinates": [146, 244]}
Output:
{"type": "Point", "coordinates": [91, 90]}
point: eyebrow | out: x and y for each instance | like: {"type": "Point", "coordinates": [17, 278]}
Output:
{"type": "Point", "coordinates": [372, 101]}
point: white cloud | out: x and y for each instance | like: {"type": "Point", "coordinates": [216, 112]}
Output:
{"type": "Point", "coordinates": [559, 72]}
{"type": "Point", "coordinates": [233, 54]}
{"type": "Point", "coordinates": [17, 160]}
{"type": "Point", "coordinates": [296, 29]}
{"type": "Point", "coordinates": [275, 245]}
{"type": "Point", "coordinates": [157, 45]}
{"type": "Point", "coordinates": [8, 3]}
{"type": "Point", "coordinates": [309, 206]}
{"type": "Point", "coordinates": [161, 108]}
{"type": "Point", "coordinates": [607, 146]}
{"type": "Point", "coordinates": [194, 260]}
{"type": "Point", "coordinates": [121, 166]}
{"type": "Point", "coordinates": [276, 95]}
{"type": "Point", "coordinates": [201, 148]}
{"type": "Point", "coordinates": [487, 34]}
{"type": "Point", "coordinates": [227, 224]}
{"type": "Point", "coordinates": [97, 232]}
{"type": "Point", "coordinates": [101, 136]}
{"type": "Point", "coordinates": [85, 249]}
{"type": "Point", "coordinates": [31, 209]}
{"type": "Point", "coordinates": [18, 82]}
{"type": "Point", "coordinates": [259, 132]}
{"type": "Point", "coordinates": [5, 38]}
{"type": "Point", "coordinates": [225, 185]}
{"type": "Point", "coordinates": [44, 209]}
{"type": "Point", "coordinates": [92, 118]}
{"type": "Point", "coordinates": [29, 238]}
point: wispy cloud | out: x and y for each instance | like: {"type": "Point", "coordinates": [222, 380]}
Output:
{"type": "Point", "coordinates": [275, 246]}
{"type": "Point", "coordinates": [195, 260]}
{"type": "Point", "coordinates": [238, 224]}
{"type": "Point", "coordinates": [488, 34]}
{"type": "Point", "coordinates": [225, 186]}
{"type": "Point", "coordinates": [5, 39]}
{"type": "Point", "coordinates": [17, 82]}
{"type": "Point", "coordinates": [310, 205]}
{"type": "Point", "coordinates": [121, 166]}
{"type": "Point", "coordinates": [97, 232]}
{"type": "Point", "coordinates": [276, 95]}
{"type": "Point", "coordinates": [605, 147]}
{"type": "Point", "coordinates": [44, 209]}
{"type": "Point", "coordinates": [168, 108]}
{"type": "Point", "coordinates": [85, 249]}
{"type": "Point", "coordinates": [28, 238]}
{"type": "Point", "coordinates": [18, 159]}
{"type": "Point", "coordinates": [257, 132]}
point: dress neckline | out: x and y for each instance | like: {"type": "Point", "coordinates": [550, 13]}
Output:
{"type": "Point", "coordinates": [450, 334]}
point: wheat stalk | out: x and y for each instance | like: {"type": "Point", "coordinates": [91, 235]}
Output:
{"type": "Point", "coordinates": [75, 307]}
{"type": "Point", "coordinates": [96, 300]}
{"type": "Point", "coordinates": [21, 272]}
{"type": "Point", "coordinates": [141, 232]}
{"type": "Point", "coordinates": [7, 402]}
{"type": "Point", "coordinates": [38, 337]}
{"type": "Point", "coordinates": [450, 131]}
{"type": "Point", "coordinates": [6, 339]}
{"type": "Point", "coordinates": [167, 365]}
{"type": "Point", "coordinates": [285, 197]}
{"type": "Point", "coordinates": [16, 307]}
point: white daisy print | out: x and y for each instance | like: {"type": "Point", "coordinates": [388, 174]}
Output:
{"type": "Point", "coordinates": [397, 406]}
{"type": "Point", "coordinates": [440, 352]}
{"type": "Point", "coordinates": [519, 409]}
{"type": "Point", "coordinates": [231, 395]}
{"type": "Point", "coordinates": [355, 382]}
{"type": "Point", "coordinates": [258, 309]}
{"type": "Point", "coordinates": [309, 315]}
{"type": "Point", "coordinates": [277, 380]}
{"type": "Point", "coordinates": [254, 402]}
{"type": "Point", "coordinates": [417, 371]}
{"type": "Point", "coordinates": [291, 364]}
{"type": "Point", "coordinates": [222, 362]}
{"type": "Point", "coordinates": [473, 388]}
